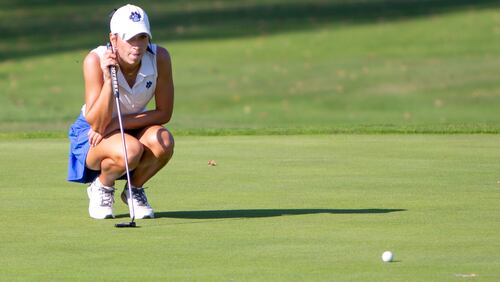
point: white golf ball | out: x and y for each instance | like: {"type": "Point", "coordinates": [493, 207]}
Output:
{"type": "Point", "coordinates": [387, 256]}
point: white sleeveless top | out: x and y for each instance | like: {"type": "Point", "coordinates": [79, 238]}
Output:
{"type": "Point", "coordinates": [134, 99]}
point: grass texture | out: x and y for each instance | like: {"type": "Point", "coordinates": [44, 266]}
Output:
{"type": "Point", "coordinates": [260, 67]}
{"type": "Point", "coordinates": [274, 208]}
{"type": "Point", "coordinates": [305, 105]}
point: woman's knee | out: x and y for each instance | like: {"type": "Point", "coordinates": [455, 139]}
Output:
{"type": "Point", "coordinates": [161, 143]}
{"type": "Point", "coordinates": [135, 150]}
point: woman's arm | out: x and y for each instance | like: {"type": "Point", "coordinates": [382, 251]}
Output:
{"type": "Point", "coordinates": [98, 93]}
{"type": "Point", "coordinates": [164, 94]}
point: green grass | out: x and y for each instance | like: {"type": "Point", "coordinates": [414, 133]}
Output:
{"type": "Point", "coordinates": [276, 66]}
{"type": "Point", "coordinates": [299, 102]}
{"type": "Point", "coordinates": [275, 208]}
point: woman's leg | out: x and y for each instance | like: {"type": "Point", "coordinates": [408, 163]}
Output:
{"type": "Point", "coordinates": [158, 144]}
{"type": "Point", "coordinates": [108, 157]}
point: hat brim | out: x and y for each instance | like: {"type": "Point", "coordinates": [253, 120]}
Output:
{"type": "Point", "coordinates": [130, 33]}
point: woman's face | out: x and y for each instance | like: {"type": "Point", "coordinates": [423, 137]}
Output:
{"type": "Point", "coordinates": [131, 51]}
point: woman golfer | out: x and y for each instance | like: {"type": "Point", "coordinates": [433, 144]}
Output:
{"type": "Point", "coordinates": [96, 152]}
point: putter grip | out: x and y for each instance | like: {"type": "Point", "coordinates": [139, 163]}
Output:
{"type": "Point", "coordinates": [114, 80]}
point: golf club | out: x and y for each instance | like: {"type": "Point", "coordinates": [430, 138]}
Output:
{"type": "Point", "coordinates": [116, 93]}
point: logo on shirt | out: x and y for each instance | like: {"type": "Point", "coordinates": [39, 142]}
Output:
{"type": "Point", "coordinates": [148, 84]}
{"type": "Point", "coordinates": [135, 16]}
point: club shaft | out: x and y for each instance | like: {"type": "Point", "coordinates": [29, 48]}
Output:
{"type": "Point", "coordinates": [116, 93]}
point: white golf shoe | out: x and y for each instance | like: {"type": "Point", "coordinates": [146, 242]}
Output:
{"type": "Point", "coordinates": [142, 209]}
{"type": "Point", "coordinates": [101, 201]}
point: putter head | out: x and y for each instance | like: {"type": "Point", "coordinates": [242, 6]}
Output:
{"type": "Point", "coordinates": [129, 224]}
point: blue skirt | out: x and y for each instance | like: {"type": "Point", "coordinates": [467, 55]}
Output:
{"type": "Point", "coordinates": [78, 149]}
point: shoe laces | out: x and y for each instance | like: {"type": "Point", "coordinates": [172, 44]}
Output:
{"type": "Point", "coordinates": [107, 197]}
{"type": "Point", "coordinates": [140, 197]}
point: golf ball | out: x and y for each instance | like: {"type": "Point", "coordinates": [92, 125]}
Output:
{"type": "Point", "coordinates": [387, 256]}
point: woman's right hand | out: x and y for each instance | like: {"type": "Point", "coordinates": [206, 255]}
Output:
{"type": "Point", "coordinates": [94, 137]}
{"type": "Point", "coordinates": [109, 59]}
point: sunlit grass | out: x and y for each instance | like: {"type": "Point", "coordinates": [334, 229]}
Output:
{"type": "Point", "coordinates": [286, 208]}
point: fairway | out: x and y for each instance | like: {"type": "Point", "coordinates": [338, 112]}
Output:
{"type": "Point", "coordinates": [278, 65]}
{"type": "Point", "coordinates": [274, 208]}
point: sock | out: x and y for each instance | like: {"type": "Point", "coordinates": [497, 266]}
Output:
{"type": "Point", "coordinates": [132, 185]}
{"type": "Point", "coordinates": [98, 183]}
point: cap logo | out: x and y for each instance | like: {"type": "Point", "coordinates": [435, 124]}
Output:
{"type": "Point", "coordinates": [135, 16]}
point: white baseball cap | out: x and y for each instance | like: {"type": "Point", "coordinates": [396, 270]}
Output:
{"type": "Point", "coordinates": [128, 21]}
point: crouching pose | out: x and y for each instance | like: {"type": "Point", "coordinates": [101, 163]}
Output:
{"type": "Point", "coordinates": [96, 152]}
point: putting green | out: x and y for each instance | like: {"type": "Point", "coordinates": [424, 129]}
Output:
{"type": "Point", "coordinates": [274, 208]}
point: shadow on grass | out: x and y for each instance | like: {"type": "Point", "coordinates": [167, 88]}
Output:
{"type": "Point", "coordinates": [255, 213]}
{"type": "Point", "coordinates": [77, 25]}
